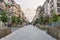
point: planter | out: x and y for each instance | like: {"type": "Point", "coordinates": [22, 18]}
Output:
{"type": "Point", "coordinates": [4, 32]}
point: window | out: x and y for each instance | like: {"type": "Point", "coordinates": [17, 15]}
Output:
{"type": "Point", "coordinates": [51, 0]}
{"type": "Point", "coordinates": [51, 6]}
{"type": "Point", "coordinates": [51, 11]}
{"type": "Point", "coordinates": [58, 10]}
{"type": "Point", "coordinates": [46, 7]}
{"type": "Point", "coordinates": [0, 5]}
{"type": "Point", "coordinates": [58, 4]}
{"type": "Point", "coordinates": [47, 1]}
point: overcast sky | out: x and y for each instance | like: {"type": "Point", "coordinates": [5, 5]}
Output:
{"type": "Point", "coordinates": [29, 4]}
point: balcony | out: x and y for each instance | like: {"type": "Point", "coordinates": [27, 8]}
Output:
{"type": "Point", "coordinates": [58, 4]}
{"type": "Point", "coordinates": [1, 6]}
{"type": "Point", "coordinates": [51, 6]}
{"type": "Point", "coordinates": [51, 12]}
{"type": "Point", "coordinates": [47, 1]}
{"type": "Point", "coordinates": [9, 3]}
{"type": "Point", "coordinates": [58, 1]}
{"type": "Point", "coordinates": [51, 3]}
{"type": "Point", "coordinates": [1, 0]}
{"type": "Point", "coordinates": [12, 2]}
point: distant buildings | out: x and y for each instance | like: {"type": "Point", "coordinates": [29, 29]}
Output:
{"type": "Point", "coordinates": [25, 20]}
{"type": "Point", "coordinates": [37, 14]}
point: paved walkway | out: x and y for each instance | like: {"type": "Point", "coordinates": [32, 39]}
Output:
{"type": "Point", "coordinates": [29, 32]}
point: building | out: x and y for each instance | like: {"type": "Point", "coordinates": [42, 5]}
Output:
{"type": "Point", "coordinates": [37, 14]}
{"type": "Point", "coordinates": [6, 5]}
{"type": "Point", "coordinates": [25, 20]}
{"type": "Point", "coordinates": [12, 8]}
{"type": "Point", "coordinates": [51, 6]}
{"type": "Point", "coordinates": [2, 7]}
{"type": "Point", "coordinates": [16, 9]}
{"type": "Point", "coordinates": [55, 6]}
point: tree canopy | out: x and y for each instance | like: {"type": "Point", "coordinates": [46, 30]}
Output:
{"type": "Point", "coordinates": [4, 16]}
{"type": "Point", "coordinates": [16, 19]}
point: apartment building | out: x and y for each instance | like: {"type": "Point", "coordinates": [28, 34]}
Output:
{"type": "Point", "coordinates": [55, 6]}
{"type": "Point", "coordinates": [45, 9]}
{"type": "Point", "coordinates": [49, 8]}
{"type": "Point", "coordinates": [5, 5]}
{"type": "Point", "coordinates": [17, 10]}
{"type": "Point", "coordinates": [52, 6]}
{"type": "Point", "coordinates": [37, 14]}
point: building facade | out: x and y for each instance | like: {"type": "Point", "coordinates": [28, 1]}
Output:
{"type": "Point", "coordinates": [37, 14]}
{"type": "Point", "coordinates": [12, 8]}
{"type": "Point", "coordinates": [51, 6]}
{"type": "Point", "coordinates": [17, 10]}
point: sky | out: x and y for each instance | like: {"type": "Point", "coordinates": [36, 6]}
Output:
{"type": "Point", "coordinates": [31, 5]}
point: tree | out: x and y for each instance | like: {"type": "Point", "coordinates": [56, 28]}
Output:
{"type": "Point", "coordinates": [59, 18]}
{"type": "Point", "coordinates": [16, 20]}
{"type": "Point", "coordinates": [55, 17]}
{"type": "Point", "coordinates": [46, 19]}
{"type": "Point", "coordinates": [39, 21]}
{"type": "Point", "coordinates": [4, 16]}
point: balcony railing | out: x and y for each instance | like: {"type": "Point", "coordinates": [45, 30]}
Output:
{"type": "Point", "coordinates": [1, 6]}
{"type": "Point", "coordinates": [1, 0]}
{"type": "Point", "coordinates": [58, 4]}
{"type": "Point", "coordinates": [58, 1]}
{"type": "Point", "coordinates": [9, 3]}
{"type": "Point", "coordinates": [47, 1]}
